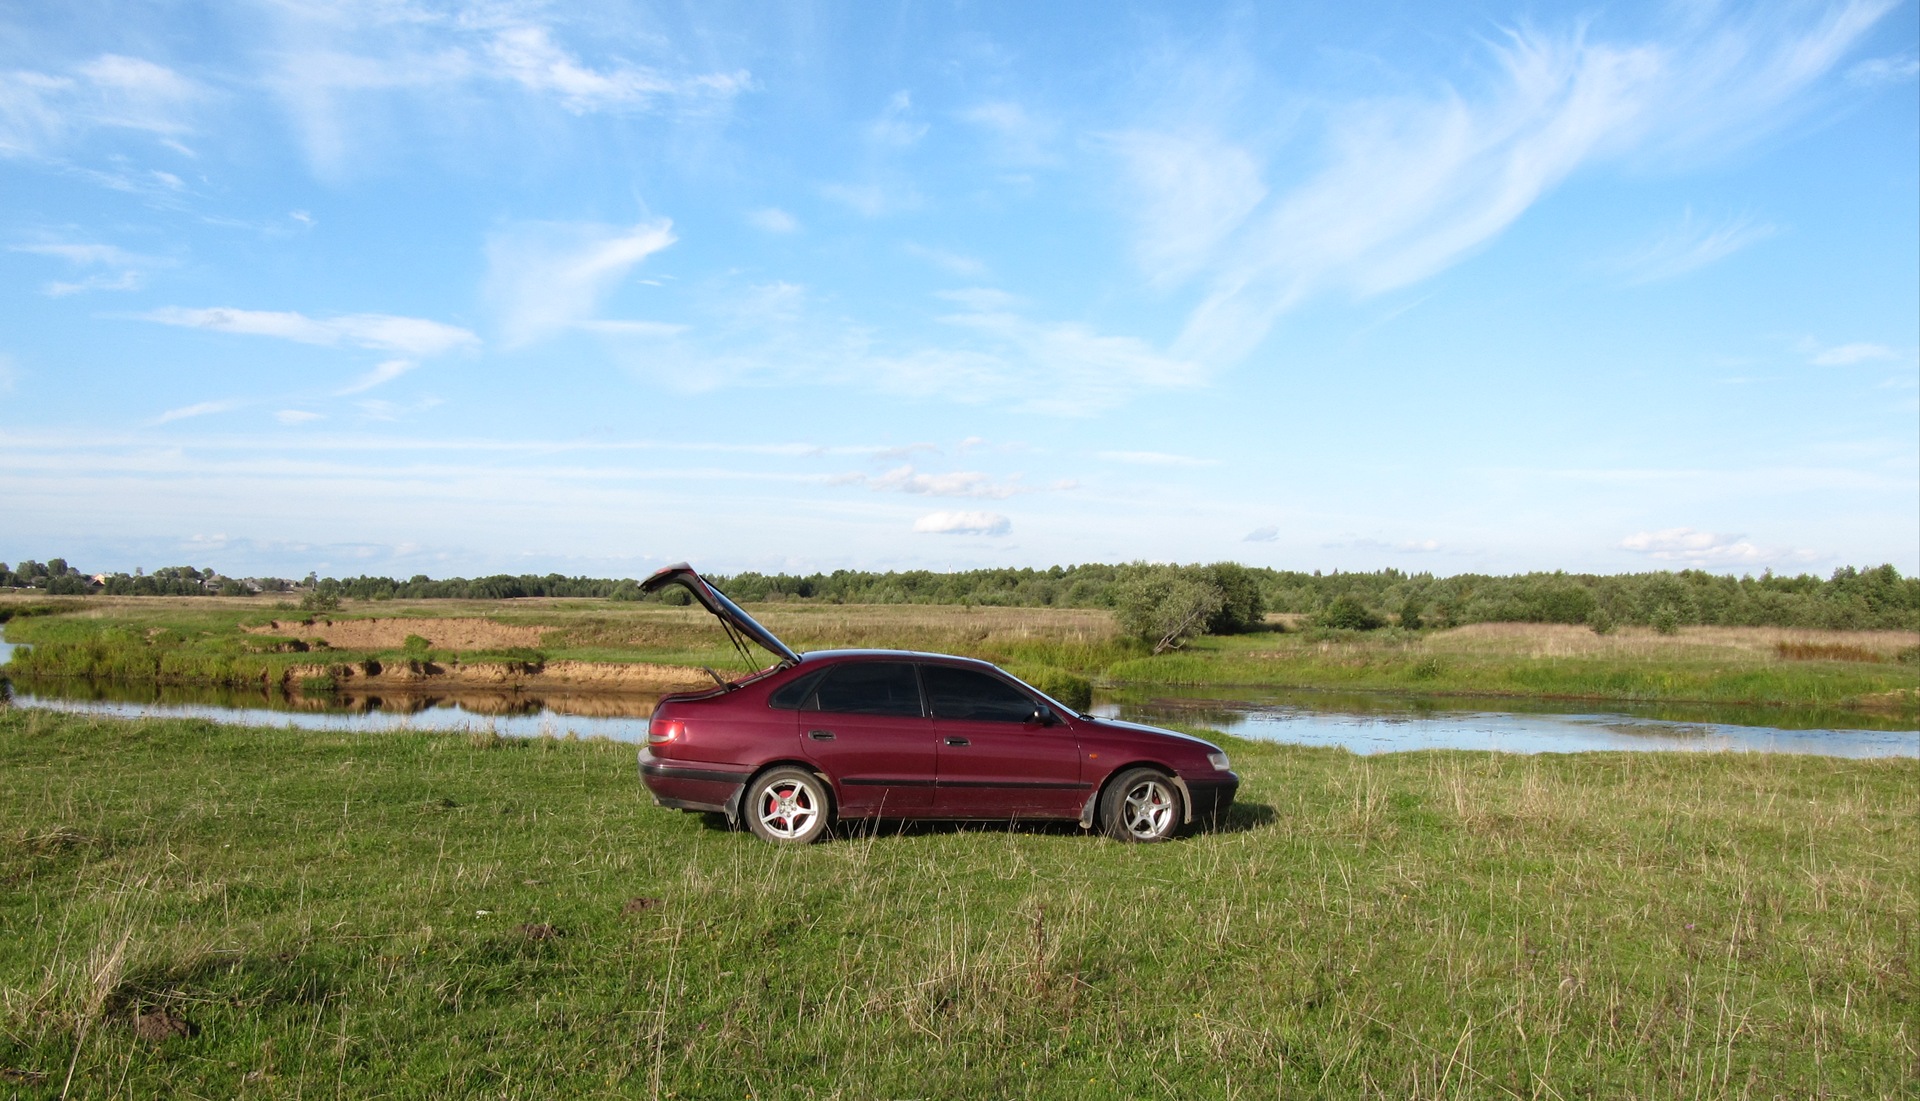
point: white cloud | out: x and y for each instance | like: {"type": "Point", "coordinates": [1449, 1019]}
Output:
{"type": "Point", "coordinates": [964, 483]}
{"type": "Point", "coordinates": [40, 113]}
{"type": "Point", "coordinates": [339, 62]}
{"type": "Point", "coordinates": [1885, 70]}
{"type": "Point", "coordinates": [545, 277]}
{"type": "Point", "coordinates": [1409, 185]}
{"type": "Point", "coordinates": [773, 220]}
{"type": "Point", "coordinates": [957, 263]}
{"type": "Point", "coordinates": [384, 373]}
{"type": "Point", "coordinates": [1691, 244]}
{"type": "Point", "coordinates": [1262, 535]}
{"type": "Point", "coordinates": [130, 276]}
{"type": "Point", "coordinates": [896, 125]}
{"type": "Point", "coordinates": [1690, 545]}
{"type": "Point", "coordinates": [1018, 137]}
{"type": "Point", "coordinates": [409, 335]}
{"type": "Point", "coordinates": [297, 416]}
{"type": "Point", "coordinates": [529, 56]}
{"type": "Point", "coordinates": [199, 409]}
{"type": "Point", "coordinates": [1155, 458]}
{"type": "Point", "coordinates": [963, 523]}
{"type": "Point", "coordinates": [1846, 355]}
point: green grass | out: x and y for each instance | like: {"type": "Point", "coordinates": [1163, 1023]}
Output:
{"type": "Point", "coordinates": [201, 641]}
{"type": "Point", "coordinates": [441, 916]}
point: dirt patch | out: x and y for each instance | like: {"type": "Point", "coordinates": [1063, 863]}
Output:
{"type": "Point", "coordinates": [161, 1025]}
{"type": "Point", "coordinates": [391, 634]}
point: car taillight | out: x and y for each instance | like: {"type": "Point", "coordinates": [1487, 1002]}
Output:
{"type": "Point", "coordinates": [665, 730]}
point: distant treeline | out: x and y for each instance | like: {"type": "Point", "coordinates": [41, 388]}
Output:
{"type": "Point", "coordinates": [1851, 598]}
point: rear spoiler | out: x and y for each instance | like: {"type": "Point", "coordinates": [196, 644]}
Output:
{"type": "Point", "coordinates": [726, 611]}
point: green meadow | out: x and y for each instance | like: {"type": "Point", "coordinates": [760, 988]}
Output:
{"type": "Point", "coordinates": [191, 909]}
{"type": "Point", "coordinates": [181, 640]}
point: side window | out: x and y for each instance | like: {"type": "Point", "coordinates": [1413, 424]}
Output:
{"type": "Point", "coordinates": [969, 694]}
{"type": "Point", "coordinates": [871, 688]}
{"type": "Point", "coordinates": [792, 696]}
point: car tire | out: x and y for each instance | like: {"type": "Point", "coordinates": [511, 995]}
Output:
{"type": "Point", "coordinates": [1141, 805]}
{"type": "Point", "coordinates": [788, 806]}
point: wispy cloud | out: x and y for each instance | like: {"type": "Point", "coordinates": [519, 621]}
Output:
{"type": "Point", "coordinates": [129, 268]}
{"type": "Point", "coordinates": [1267, 534]}
{"type": "Point", "coordinates": [409, 335]}
{"type": "Point", "coordinates": [297, 416]}
{"type": "Point", "coordinates": [1409, 185]}
{"type": "Point", "coordinates": [41, 113]}
{"type": "Point", "coordinates": [1692, 546]}
{"type": "Point", "coordinates": [897, 124]}
{"type": "Point", "coordinates": [963, 523]}
{"type": "Point", "coordinates": [545, 277]}
{"type": "Point", "coordinates": [1879, 71]}
{"type": "Point", "coordinates": [379, 376]}
{"type": "Point", "coordinates": [199, 409]}
{"type": "Point", "coordinates": [1846, 355]}
{"type": "Point", "coordinates": [773, 220]}
{"type": "Point", "coordinates": [960, 264]}
{"type": "Point", "coordinates": [960, 483]}
{"type": "Point", "coordinates": [1155, 458]}
{"type": "Point", "coordinates": [1017, 138]}
{"type": "Point", "coordinates": [337, 63]}
{"type": "Point", "coordinates": [1690, 244]}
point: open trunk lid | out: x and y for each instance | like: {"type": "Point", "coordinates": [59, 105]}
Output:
{"type": "Point", "coordinates": [715, 601]}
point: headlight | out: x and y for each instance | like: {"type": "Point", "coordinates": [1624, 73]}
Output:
{"type": "Point", "coordinates": [1218, 761]}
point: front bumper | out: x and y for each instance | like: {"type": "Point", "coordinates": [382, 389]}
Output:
{"type": "Point", "coordinates": [1210, 797]}
{"type": "Point", "coordinates": [693, 785]}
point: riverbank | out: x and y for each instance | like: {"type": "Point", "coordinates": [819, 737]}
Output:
{"type": "Point", "coordinates": [594, 645]}
{"type": "Point", "coordinates": [195, 909]}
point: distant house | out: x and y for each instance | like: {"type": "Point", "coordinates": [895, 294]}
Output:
{"type": "Point", "coordinates": [99, 579]}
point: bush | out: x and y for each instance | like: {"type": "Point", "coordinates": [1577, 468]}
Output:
{"type": "Point", "coordinates": [1666, 620]}
{"type": "Point", "coordinates": [320, 600]}
{"type": "Point", "coordinates": [1164, 606]}
{"type": "Point", "coordinates": [415, 644]}
{"type": "Point", "coordinates": [1346, 613]}
{"type": "Point", "coordinates": [1410, 613]}
{"type": "Point", "coordinates": [1600, 621]}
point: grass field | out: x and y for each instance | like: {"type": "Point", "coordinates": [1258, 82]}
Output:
{"type": "Point", "coordinates": [200, 910]}
{"type": "Point", "coordinates": [206, 640]}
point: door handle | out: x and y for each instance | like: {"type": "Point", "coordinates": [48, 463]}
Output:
{"type": "Point", "coordinates": [958, 741]}
{"type": "Point", "coordinates": [820, 735]}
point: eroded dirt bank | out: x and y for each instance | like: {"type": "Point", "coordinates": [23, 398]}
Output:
{"type": "Point", "coordinates": [391, 634]}
{"type": "Point", "coordinates": [554, 676]}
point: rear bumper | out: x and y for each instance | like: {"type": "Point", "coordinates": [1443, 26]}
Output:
{"type": "Point", "coordinates": [692, 785]}
{"type": "Point", "coordinates": [1212, 797]}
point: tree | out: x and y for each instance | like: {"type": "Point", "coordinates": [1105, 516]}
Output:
{"type": "Point", "coordinates": [1166, 605]}
{"type": "Point", "coordinates": [1348, 614]}
{"type": "Point", "coordinates": [1242, 607]}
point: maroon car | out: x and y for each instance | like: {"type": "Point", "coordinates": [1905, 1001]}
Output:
{"type": "Point", "coordinates": [851, 734]}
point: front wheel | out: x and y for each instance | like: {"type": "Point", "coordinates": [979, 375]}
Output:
{"type": "Point", "coordinates": [1141, 804]}
{"type": "Point", "coordinates": [788, 806]}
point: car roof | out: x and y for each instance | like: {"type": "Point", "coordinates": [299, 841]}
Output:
{"type": "Point", "coordinates": [816, 656]}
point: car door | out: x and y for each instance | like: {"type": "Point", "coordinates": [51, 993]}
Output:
{"type": "Point", "coordinates": [995, 760]}
{"type": "Point", "coordinates": [865, 727]}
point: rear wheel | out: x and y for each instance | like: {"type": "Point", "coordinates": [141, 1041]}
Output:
{"type": "Point", "coordinates": [788, 806]}
{"type": "Point", "coordinates": [1141, 804]}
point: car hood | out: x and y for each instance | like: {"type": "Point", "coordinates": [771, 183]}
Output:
{"type": "Point", "coordinates": [1123, 726]}
{"type": "Point", "coordinates": [715, 601]}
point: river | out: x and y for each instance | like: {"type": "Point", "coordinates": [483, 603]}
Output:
{"type": "Point", "coordinates": [1361, 723]}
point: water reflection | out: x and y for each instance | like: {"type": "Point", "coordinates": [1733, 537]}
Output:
{"type": "Point", "coordinates": [1381, 724]}
{"type": "Point", "coordinates": [1357, 722]}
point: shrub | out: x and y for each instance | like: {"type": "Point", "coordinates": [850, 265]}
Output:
{"type": "Point", "coordinates": [1666, 620]}
{"type": "Point", "coordinates": [1242, 608]}
{"type": "Point", "coordinates": [1410, 613]}
{"type": "Point", "coordinates": [414, 644]}
{"type": "Point", "coordinates": [1346, 613]}
{"type": "Point", "coordinates": [1600, 620]}
{"type": "Point", "coordinates": [320, 600]}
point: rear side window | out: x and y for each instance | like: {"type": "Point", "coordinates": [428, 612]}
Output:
{"type": "Point", "coordinates": [970, 694]}
{"type": "Point", "coordinates": [792, 696]}
{"type": "Point", "coordinates": [871, 688]}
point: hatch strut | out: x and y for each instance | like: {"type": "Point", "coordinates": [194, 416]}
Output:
{"type": "Point", "coordinates": [739, 644]}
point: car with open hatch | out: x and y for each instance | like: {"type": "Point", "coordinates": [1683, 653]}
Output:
{"type": "Point", "coordinates": [843, 735]}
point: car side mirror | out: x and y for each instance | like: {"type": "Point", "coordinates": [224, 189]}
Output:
{"type": "Point", "coordinates": [1043, 715]}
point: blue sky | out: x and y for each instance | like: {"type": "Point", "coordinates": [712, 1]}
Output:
{"type": "Point", "coordinates": [400, 288]}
